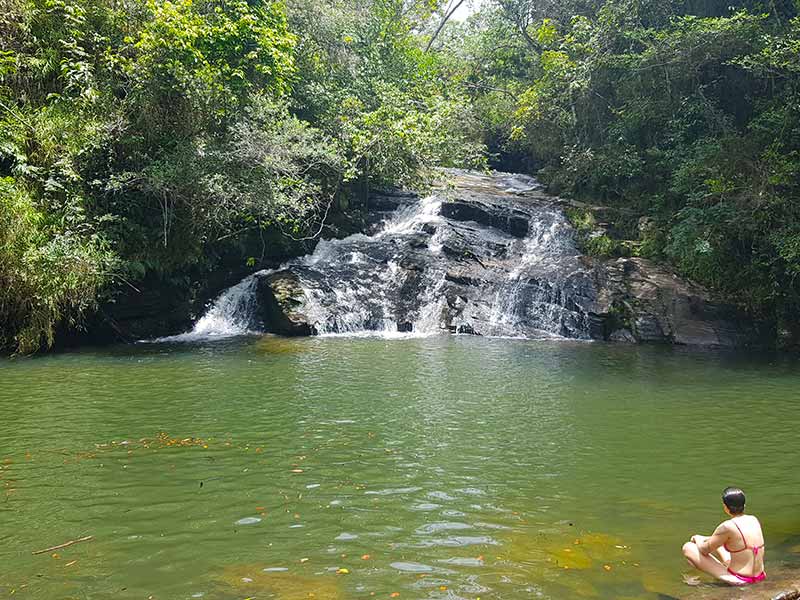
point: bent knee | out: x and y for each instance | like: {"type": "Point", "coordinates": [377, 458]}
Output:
{"type": "Point", "coordinates": [690, 549]}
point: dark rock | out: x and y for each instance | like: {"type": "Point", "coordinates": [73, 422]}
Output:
{"type": "Point", "coordinates": [282, 301]}
{"type": "Point", "coordinates": [622, 335]}
{"type": "Point", "coordinates": [466, 329]}
{"type": "Point", "coordinates": [405, 327]}
{"type": "Point", "coordinates": [389, 201]}
{"type": "Point", "coordinates": [654, 305]}
{"type": "Point", "coordinates": [512, 222]}
{"type": "Point", "coordinates": [461, 279]}
{"type": "Point", "coordinates": [646, 328]}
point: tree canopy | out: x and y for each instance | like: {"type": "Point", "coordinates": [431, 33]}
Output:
{"type": "Point", "coordinates": [140, 138]}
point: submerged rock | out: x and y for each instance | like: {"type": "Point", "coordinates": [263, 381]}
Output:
{"type": "Point", "coordinates": [256, 581]}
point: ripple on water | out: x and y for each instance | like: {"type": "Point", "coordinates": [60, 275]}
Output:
{"type": "Point", "coordinates": [346, 537]}
{"type": "Point", "coordinates": [462, 562]}
{"type": "Point", "coordinates": [472, 491]}
{"type": "Point", "coordinates": [393, 491]}
{"type": "Point", "coordinates": [426, 506]}
{"type": "Point", "coordinates": [248, 521]}
{"type": "Point", "coordinates": [428, 583]}
{"type": "Point", "coordinates": [456, 541]}
{"type": "Point", "coordinates": [412, 567]}
{"type": "Point", "coordinates": [442, 526]}
{"type": "Point", "coordinates": [497, 526]}
{"type": "Point", "coordinates": [440, 495]}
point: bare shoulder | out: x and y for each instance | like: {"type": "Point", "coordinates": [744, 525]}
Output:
{"type": "Point", "coordinates": [724, 528]}
{"type": "Point", "coordinates": [757, 523]}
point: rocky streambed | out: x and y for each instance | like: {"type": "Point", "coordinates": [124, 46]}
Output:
{"type": "Point", "coordinates": [487, 255]}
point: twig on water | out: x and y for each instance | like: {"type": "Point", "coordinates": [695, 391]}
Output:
{"type": "Point", "coordinates": [65, 544]}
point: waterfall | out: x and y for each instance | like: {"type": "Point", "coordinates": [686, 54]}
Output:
{"type": "Point", "coordinates": [355, 286]}
{"type": "Point", "coordinates": [524, 296]}
{"type": "Point", "coordinates": [458, 260]}
{"type": "Point", "coordinates": [233, 313]}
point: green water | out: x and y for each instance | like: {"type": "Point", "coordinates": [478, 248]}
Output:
{"type": "Point", "coordinates": [433, 468]}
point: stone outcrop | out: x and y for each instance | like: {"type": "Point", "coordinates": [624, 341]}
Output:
{"type": "Point", "coordinates": [640, 301]}
{"type": "Point", "coordinates": [513, 222]}
{"type": "Point", "coordinates": [282, 301]}
{"type": "Point", "coordinates": [782, 583]}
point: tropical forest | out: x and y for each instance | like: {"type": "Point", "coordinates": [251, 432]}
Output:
{"type": "Point", "coordinates": [399, 298]}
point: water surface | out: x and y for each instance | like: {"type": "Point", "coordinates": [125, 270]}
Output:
{"type": "Point", "coordinates": [443, 467]}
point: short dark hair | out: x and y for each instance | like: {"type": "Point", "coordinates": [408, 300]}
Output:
{"type": "Point", "coordinates": [733, 498]}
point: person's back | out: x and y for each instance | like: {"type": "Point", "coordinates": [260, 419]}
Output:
{"type": "Point", "coordinates": [745, 544]}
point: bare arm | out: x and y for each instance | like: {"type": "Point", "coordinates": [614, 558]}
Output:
{"type": "Point", "coordinates": [717, 539]}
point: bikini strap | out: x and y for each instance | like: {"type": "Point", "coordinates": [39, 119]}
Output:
{"type": "Point", "coordinates": [744, 540]}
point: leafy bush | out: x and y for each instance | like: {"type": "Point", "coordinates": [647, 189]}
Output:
{"type": "Point", "coordinates": [47, 274]}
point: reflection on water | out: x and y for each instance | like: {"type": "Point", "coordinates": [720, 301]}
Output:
{"type": "Point", "coordinates": [430, 468]}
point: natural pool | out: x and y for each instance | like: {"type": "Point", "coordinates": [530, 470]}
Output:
{"type": "Point", "coordinates": [443, 467]}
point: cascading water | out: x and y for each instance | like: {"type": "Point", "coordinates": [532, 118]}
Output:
{"type": "Point", "coordinates": [528, 294]}
{"type": "Point", "coordinates": [356, 285]}
{"type": "Point", "coordinates": [233, 313]}
{"type": "Point", "coordinates": [491, 256]}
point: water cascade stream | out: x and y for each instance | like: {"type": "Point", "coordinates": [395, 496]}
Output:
{"type": "Point", "coordinates": [491, 256]}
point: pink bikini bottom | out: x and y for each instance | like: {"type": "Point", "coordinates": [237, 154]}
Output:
{"type": "Point", "coordinates": [748, 579]}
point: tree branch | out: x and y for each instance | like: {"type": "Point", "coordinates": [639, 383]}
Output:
{"type": "Point", "coordinates": [445, 19]}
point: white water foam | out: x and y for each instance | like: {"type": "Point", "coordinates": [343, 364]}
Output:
{"type": "Point", "coordinates": [364, 307]}
{"type": "Point", "coordinates": [230, 315]}
{"type": "Point", "coordinates": [548, 239]}
{"type": "Point", "coordinates": [411, 218]}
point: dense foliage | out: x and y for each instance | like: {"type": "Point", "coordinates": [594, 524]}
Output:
{"type": "Point", "coordinates": [684, 115]}
{"type": "Point", "coordinates": [137, 137]}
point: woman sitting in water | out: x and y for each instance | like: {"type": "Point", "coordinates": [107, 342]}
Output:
{"type": "Point", "coordinates": [738, 544]}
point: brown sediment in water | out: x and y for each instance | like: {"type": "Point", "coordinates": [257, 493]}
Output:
{"type": "Point", "coordinates": [597, 565]}
{"type": "Point", "coordinates": [252, 581]}
{"type": "Point", "coordinates": [568, 550]}
{"type": "Point", "coordinates": [272, 344]}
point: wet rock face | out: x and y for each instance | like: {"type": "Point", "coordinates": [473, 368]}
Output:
{"type": "Point", "coordinates": [513, 222]}
{"type": "Point", "coordinates": [493, 257]}
{"type": "Point", "coordinates": [638, 300]}
{"type": "Point", "coordinates": [281, 300]}
{"type": "Point", "coordinates": [483, 260]}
